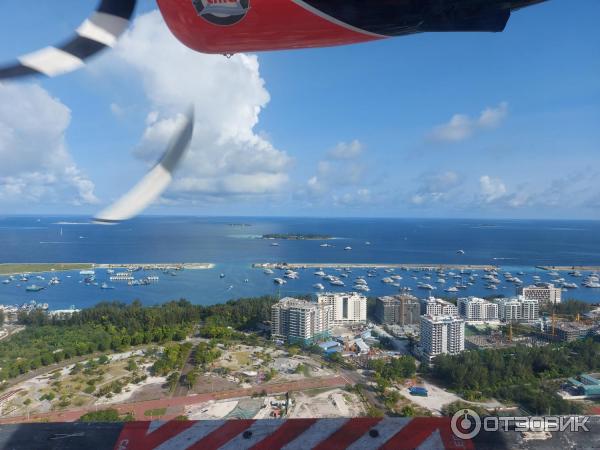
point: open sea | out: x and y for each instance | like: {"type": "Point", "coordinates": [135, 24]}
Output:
{"type": "Point", "coordinates": [234, 244]}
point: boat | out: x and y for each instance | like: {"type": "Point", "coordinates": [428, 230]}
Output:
{"type": "Point", "coordinates": [348, 248]}
{"type": "Point", "coordinates": [222, 275]}
{"type": "Point", "coordinates": [426, 286]}
{"type": "Point", "coordinates": [460, 252]}
{"type": "Point", "coordinates": [360, 281]}
{"type": "Point", "coordinates": [292, 275]}
{"type": "Point", "coordinates": [325, 245]}
{"type": "Point", "coordinates": [362, 287]}
{"type": "Point", "coordinates": [320, 273]}
{"type": "Point", "coordinates": [575, 273]}
{"type": "Point", "coordinates": [268, 272]}
{"type": "Point", "coordinates": [318, 286]}
{"type": "Point", "coordinates": [274, 244]}
{"type": "Point", "coordinates": [554, 274]}
{"type": "Point", "coordinates": [440, 281]}
{"type": "Point", "coordinates": [452, 289]}
{"type": "Point", "coordinates": [395, 277]}
{"type": "Point", "coordinates": [387, 280]}
{"type": "Point", "coordinates": [5, 281]}
{"type": "Point", "coordinates": [87, 272]}
{"type": "Point", "coordinates": [110, 271]}
{"type": "Point", "coordinates": [54, 280]}
{"type": "Point", "coordinates": [106, 286]}
{"type": "Point", "coordinates": [337, 283]}
{"type": "Point", "coordinates": [592, 284]}
{"type": "Point", "coordinates": [367, 243]}
{"type": "Point", "coordinates": [34, 288]}
{"type": "Point", "coordinates": [279, 281]}
{"type": "Point", "coordinates": [493, 287]}
{"type": "Point", "coordinates": [570, 285]}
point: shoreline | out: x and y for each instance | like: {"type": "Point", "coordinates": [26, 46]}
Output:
{"type": "Point", "coordinates": [374, 265]}
{"type": "Point", "coordinates": [7, 269]}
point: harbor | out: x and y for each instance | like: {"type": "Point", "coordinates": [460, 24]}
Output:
{"type": "Point", "coordinates": [424, 267]}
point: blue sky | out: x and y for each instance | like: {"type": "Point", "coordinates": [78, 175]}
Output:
{"type": "Point", "coordinates": [431, 125]}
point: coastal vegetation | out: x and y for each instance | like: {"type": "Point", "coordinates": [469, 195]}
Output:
{"type": "Point", "coordinates": [527, 376]}
{"type": "Point", "coordinates": [117, 326]}
{"type": "Point", "coordinates": [12, 269]}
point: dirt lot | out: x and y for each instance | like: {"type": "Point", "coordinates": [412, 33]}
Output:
{"type": "Point", "coordinates": [327, 404]}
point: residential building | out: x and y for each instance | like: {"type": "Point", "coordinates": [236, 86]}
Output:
{"type": "Point", "coordinates": [301, 321]}
{"type": "Point", "coordinates": [442, 334]}
{"type": "Point", "coordinates": [348, 308]}
{"type": "Point", "coordinates": [398, 310]}
{"type": "Point", "coordinates": [437, 307]}
{"type": "Point", "coordinates": [474, 309]}
{"type": "Point", "coordinates": [517, 309]}
{"type": "Point", "coordinates": [543, 294]}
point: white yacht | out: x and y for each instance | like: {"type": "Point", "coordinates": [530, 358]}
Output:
{"type": "Point", "coordinates": [452, 289]}
{"type": "Point", "coordinates": [268, 272]}
{"type": "Point", "coordinates": [318, 286]}
{"type": "Point", "coordinates": [337, 282]}
{"type": "Point", "coordinates": [387, 280]}
{"type": "Point", "coordinates": [320, 273]}
{"type": "Point", "coordinates": [348, 248]}
{"type": "Point", "coordinates": [570, 285]}
{"type": "Point", "coordinates": [274, 244]}
{"type": "Point", "coordinates": [440, 281]}
{"type": "Point", "coordinates": [279, 281]}
{"type": "Point", "coordinates": [426, 286]}
{"type": "Point", "coordinates": [325, 245]}
{"type": "Point", "coordinates": [362, 287]}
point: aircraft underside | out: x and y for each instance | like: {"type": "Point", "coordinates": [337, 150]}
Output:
{"type": "Point", "coordinates": [232, 26]}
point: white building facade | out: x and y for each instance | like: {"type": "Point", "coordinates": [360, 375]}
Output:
{"type": "Point", "coordinates": [348, 308]}
{"type": "Point", "coordinates": [442, 335]}
{"type": "Point", "coordinates": [543, 294]}
{"type": "Point", "coordinates": [518, 309]}
{"type": "Point", "coordinates": [300, 321]}
{"type": "Point", "coordinates": [437, 307]}
{"type": "Point", "coordinates": [474, 309]}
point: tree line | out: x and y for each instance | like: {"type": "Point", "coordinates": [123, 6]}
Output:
{"type": "Point", "coordinates": [116, 326]}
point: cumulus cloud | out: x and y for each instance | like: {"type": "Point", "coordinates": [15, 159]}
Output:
{"type": "Point", "coordinates": [435, 187]}
{"type": "Point", "coordinates": [339, 176]}
{"type": "Point", "coordinates": [226, 157]}
{"type": "Point", "coordinates": [346, 150]}
{"type": "Point", "coordinates": [36, 164]}
{"type": "Point", "coordinates": [461, 126]}
{"type": "Point", "coordinates": [492, 189]}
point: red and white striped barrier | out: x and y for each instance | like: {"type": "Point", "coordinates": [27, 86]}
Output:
{"type": "Point", "coordinates": [426, 433]}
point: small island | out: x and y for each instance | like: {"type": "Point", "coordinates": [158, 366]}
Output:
{"type": "Point", "coordinates": [297, 237]}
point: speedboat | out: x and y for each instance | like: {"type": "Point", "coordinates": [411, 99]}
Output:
{"type": "Point", "coordinates": [279, 281]}
{"type": "Point", "coordinates": [348, 248]}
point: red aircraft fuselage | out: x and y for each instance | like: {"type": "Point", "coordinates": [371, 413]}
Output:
{"type": "Point", "coordinates": [233, 26]}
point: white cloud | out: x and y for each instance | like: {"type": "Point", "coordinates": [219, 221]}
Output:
{"type": "Point", "coordinates": [435, 187]}
{"type": "Point", "coordinates": [461, 127]}
{"type": "Point", "coordinates": [227, 157]}
{"type": "Point", "coordinates": [492, 189]}
{"type": "Point", "coordinates": [339, 176]}
{"type": "Point", "coordinates": [346, 150]}
{"type": "Point", "coordinates": [36, 164]}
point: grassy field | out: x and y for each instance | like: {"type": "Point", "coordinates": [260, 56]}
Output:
{"type": "Point", "coordinates": [11, 269]}
{"type": "Point", "coordinates": [155, 412]}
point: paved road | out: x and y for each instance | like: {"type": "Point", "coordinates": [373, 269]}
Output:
{"type": "Point", "coordinates": [177, 403]}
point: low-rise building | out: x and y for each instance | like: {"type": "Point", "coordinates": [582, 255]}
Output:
{"type": "Point", "coordinates": [588, 385]}
{"type": "Point", "coordinates": [300, 321]}
{"type": "Point", "coordinates": [398, 310]}
{"type": "Point", "coordinates": [441, 334]}
{"type": "Point", "coordinates": [474, 309]}
{"type": "Point", "coordinates": [543, 294]}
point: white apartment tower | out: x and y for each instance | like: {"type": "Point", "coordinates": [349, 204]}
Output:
{"type": "Point", "coordinates": [349, 308]}
{"type": "Point", "coordinates": [474, 309]}
{"type": "Point", "coordinates": [300, 321]}
{"type": "Point", "coordinates": [518, 309]}
{"type": "Point", "coordinates": [437, 307]}
{"type": "Point", "coordinates": [442, 334]}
